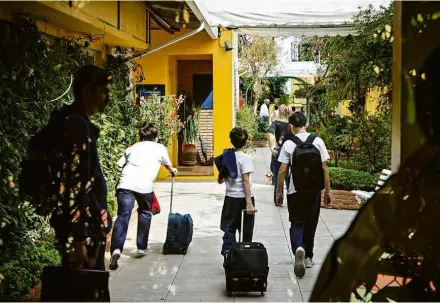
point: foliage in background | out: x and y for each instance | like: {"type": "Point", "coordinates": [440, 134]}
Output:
{"type": "Point", "coordinates": [373, 142]}
{"type": "Point", "coordinates": [257, 58]}
{"type": "Point", "coordinates": [363, 62]}
{"type": "Point", "coordinates": [35, 70]}
{"type": "Point", "coordinates": [363, 140]}
{"type": "Point", "coordinates": [276, 88]}
{"type": "Point", "coordinates": [284, 100]}
{"type": "Point", "coordinates": [24, 271]}
{"type": "Point", "coordinates": [349, 179]}
{"type": "Point", "coordinates": [253, 124]}
{"type": "Point", "coordinates": [338, 135]}
{"type": "Point", "coordinates": [247, 119]}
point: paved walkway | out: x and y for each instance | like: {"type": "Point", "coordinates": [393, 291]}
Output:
{"type": "Point", "coordinates": [199, 275]}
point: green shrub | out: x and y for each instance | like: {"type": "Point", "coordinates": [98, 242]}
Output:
{"type": "Point", "coordinates": [24, 271]}
{"type": "Point", "coordinates": [247, 119]}
{"type": "Point", "coordinates": [349, 179]}
{"type": "Point", "coordinates": [373, 141]}
{"type": "Point", "coordinates": [259, 137]}
{"type": "Point", "coordinates": [284, 100]}
{"type": "Point", "coordinates": [262, 126]}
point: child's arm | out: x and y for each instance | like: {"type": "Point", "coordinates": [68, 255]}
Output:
{"type": "Point", "coordinates": [247, 189]}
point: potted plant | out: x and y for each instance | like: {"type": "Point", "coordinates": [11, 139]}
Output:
{"type": "Point", "coordinates": [189, 149]}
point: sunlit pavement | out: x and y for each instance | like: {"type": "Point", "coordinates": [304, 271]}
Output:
{"type": "Point", "coordinates": [199, 276]}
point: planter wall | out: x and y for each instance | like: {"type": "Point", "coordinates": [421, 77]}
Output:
{"type": "Point", "coordinates": [34, 294]}
{"type": "Point", "coordinates": [260, 144]}
{"type": "Point", "coordinates": [342, 199]}
{"type": "Point", "coordinates": [189, 153]}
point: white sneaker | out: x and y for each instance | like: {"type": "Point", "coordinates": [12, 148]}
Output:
{"type": "Point", "coordinates": [114, 260]}
{"type": "Point", "coordinates": [299, 263]}
{"type": "Point", "coordinates": [141, 252]}
{"type": "Point", "coordinates": [309, 262]}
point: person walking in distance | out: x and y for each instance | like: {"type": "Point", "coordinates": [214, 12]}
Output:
{"type": "Point", "coordinates": [307, 155]}
{"type": "Point", "coordinates": [140, 165]}
{"type": "Point", "coordinates": [276, 133]}
{"type": "Point", "coordinates": [264, 111]}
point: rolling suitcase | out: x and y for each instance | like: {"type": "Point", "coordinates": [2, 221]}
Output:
{"type": "Point", "coordinates": [64, 284]}
{"type": "Point", "coordinates": [246, 266]}
{"type": "Point", "coordinates": [179, 230]}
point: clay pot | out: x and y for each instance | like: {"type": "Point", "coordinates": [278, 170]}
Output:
{"type": "Point", "coordinates": [189, 153]}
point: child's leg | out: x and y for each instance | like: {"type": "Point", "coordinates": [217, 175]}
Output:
{"type": "Point", "coordinates": [248, 224]}
{"type": "Point", "coordinates": [228, 226]}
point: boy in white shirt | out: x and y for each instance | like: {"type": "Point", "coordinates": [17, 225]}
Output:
{"type": "Point", "coordinates": [140, 165]}
{"type": "Point", "coordinates": [238, 194]}
{"type": "Point", "coordinates": [303, 203]}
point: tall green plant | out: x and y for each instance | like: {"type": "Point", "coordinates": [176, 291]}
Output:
{"type": "Point", "coordinates": [191, 128]}
{"type": "Point", "coordinates": [373, 141]}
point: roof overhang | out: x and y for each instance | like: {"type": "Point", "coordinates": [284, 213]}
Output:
{"type": "Point", "coordinates": [285, 17]}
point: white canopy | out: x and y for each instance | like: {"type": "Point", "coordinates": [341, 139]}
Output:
{"type": "Point", "coordinates": [276, 18]}
{"type": "Point", "coordinates": [301, 69]}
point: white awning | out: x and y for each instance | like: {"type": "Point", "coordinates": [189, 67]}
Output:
{"type": "Point", "coordinates": [286, 17]}
{"type": "Point", "coordinates": [300, 69]}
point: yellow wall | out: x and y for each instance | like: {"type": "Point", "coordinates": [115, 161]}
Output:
{"type": "Point", "coordinates": [370, 106]}
{"type": "Point", "coordinates": [161, 68]}
{"type": "Point", "coordinates": [98, 18]}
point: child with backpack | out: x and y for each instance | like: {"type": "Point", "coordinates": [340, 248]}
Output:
{"type": "Point", "coordinates": [306, 154]}
{"type": "Point", "coordinates": [235, 168]}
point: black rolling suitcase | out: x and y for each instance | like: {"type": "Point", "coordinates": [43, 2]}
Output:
{"type": "Point", "coordinates": [179, 230]}
{"type": "Point", "coordinates": [246, 266]}
{"type": "Point", "coordinates": [63, 284]}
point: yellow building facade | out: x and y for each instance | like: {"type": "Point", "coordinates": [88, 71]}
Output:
{"type": "Point", "coordinates": [134, 25]}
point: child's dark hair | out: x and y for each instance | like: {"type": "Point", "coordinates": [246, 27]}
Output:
{"type": "Point", "coordinates": [297, 119]}
{"type": "Point", "coordinates": [148, 132]}
{"type": "Point", "coordinates": [238, 137]}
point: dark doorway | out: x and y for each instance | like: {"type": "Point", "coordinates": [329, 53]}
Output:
{"type": "Point", "coordinates": [202, 87]}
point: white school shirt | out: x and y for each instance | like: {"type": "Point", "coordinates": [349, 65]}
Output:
{"type": "Point", "coordinates": [264, 110]}
{"type": "Point", "coordinates": [288, 149]}
{"type": "Point", "coordinates": [234, 187]}
{"type": "Point", "coordinates": [140, 165]}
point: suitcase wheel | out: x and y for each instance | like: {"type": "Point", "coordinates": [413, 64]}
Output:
{"type": "Point", "coordinates": [183, 251]}
{"type": "Point", "coordinates": [164, 250]}
{"type": "Point", "coordinates": [262, 293]}
{"type": "Point", "coordinates": [229, 293]}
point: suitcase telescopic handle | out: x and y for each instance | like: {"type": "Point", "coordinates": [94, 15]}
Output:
{"type": "Point", "coordinates": [241, 223]}
{"type": "Point", "coordinates": [171, 193]}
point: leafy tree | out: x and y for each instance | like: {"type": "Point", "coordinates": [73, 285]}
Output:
{"type": "Point", "coordinates": [276, 87]}
{"type": "Point", "coordinates": [355, 64]}
{"type": "Point", "coordinates": [363, 62]}
{"type": "Point", "coordinates": [258, 57]}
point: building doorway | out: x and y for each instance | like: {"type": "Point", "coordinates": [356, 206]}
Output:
{"type": "Point", "coordinates": [195, 143]}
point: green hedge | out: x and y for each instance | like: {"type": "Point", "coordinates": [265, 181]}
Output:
{"type": "Point", "coordinates": [24, 271]}
{"type": "Point", "coordinates": [349, 179]}
{"type": "Point", "coordinates": [259, 137]}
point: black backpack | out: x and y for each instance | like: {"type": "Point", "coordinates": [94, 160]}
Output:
{"type": "Point", "coordinates": [306, 166]}
{"type": "Point", "coordinates": [36, 178]}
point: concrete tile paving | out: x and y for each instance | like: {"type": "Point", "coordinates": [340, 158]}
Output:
{"type": "Point", "coordinates": [199, 276]}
